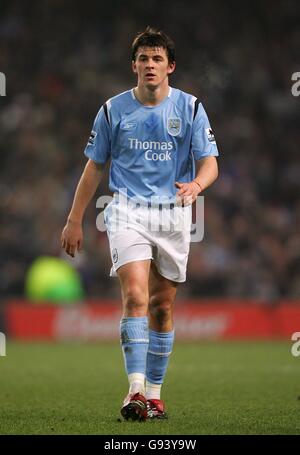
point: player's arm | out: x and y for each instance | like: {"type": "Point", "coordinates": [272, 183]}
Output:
{"type": "Point", "coordinates": [206, 174]}
{"type": "Point", "coordinates": [204, 148]}
{"type": "Point", "coordinates": [98, 152]}
{"type": "Point", "coordinates": [72, 235]}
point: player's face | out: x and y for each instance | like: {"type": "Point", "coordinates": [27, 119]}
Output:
{"type": "Point", "coordinates": [152, 66]}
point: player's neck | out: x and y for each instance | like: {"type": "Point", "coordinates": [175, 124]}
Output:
{"type": "Point", "coordinates": [152, 96]}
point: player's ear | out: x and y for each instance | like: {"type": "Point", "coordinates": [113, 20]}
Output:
{"type": "Point", "coordinates": [171, 67]}
{"type": "Point", "coordinates": [133, 66]}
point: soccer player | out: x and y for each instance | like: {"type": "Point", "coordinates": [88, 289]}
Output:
{"type": "Point", "coordinates": [162, 155]}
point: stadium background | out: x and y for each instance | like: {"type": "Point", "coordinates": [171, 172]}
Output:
{"type": "Point", "coordinates": [62, 60]}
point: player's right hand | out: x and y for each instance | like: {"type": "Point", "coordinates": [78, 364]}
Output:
{"type": "Point", "coordinates": [71, 237]}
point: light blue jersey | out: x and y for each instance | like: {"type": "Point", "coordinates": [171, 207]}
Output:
{"type": "Point", "coordinates": [151, 147]}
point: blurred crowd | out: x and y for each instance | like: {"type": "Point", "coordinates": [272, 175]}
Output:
{"type": "Point", "coordinates": [63, 59]}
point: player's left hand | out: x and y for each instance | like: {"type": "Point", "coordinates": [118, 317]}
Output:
{"type": "Point", "coordinates": [188, 192]}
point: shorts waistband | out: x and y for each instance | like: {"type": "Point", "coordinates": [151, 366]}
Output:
{"type": "Point", "coordinates": [150, 204]}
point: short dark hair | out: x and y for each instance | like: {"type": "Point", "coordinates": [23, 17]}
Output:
{"type": "Point", "coordinates": [153, 38]}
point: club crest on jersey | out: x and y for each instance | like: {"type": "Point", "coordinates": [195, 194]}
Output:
{"type": "Point", "coordinates": [174, 126]}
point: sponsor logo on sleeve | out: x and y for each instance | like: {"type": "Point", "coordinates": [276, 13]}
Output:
{"type": "Point", "coordinates": [210, 135]}
{"type": "Point", "coordinates": [92, 137]}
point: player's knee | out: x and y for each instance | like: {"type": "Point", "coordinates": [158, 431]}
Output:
{"type": "Point", "coordinates": [160, 309]}
{"type": "Point", "coordinates": [135, 301]}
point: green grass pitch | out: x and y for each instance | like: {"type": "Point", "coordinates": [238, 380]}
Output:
{"type": "Point", "coordinates": [211, 388]}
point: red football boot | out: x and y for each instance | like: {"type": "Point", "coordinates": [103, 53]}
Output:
{"type": "Point", "coordinates": [135, 407]}
{"type": "Point", "coordinates": [156, 409]}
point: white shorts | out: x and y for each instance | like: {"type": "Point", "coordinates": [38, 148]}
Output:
{"type": "Point", "coordinates": [138, 233]}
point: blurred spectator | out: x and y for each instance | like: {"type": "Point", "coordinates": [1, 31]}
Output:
{"type": "Point", "coordinates": [62, 60]}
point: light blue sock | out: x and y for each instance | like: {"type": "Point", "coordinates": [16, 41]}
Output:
{"type": "Point", "coordinates": [134, 334]}
{"type": "Point", "coordinates": [160, 348]}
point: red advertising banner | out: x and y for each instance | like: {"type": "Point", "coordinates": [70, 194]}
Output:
{"type": "Point", "coordinates": [94, 320]}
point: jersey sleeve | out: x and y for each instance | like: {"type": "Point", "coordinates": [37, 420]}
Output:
{"type": "Point", "coordinates": [203, 139]}
{"type": "Point", "coordinates": [98, 148]}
